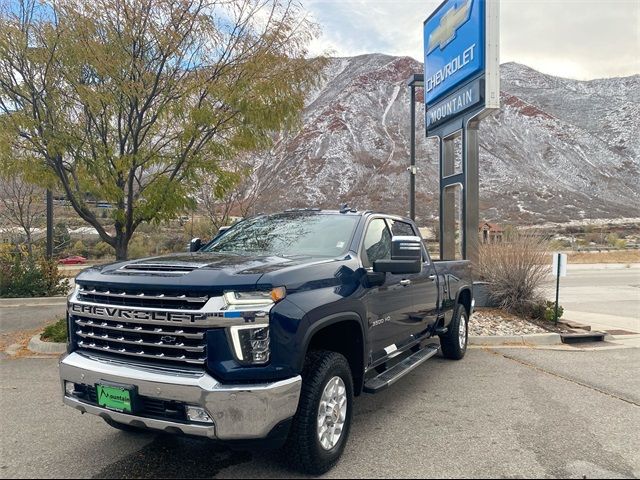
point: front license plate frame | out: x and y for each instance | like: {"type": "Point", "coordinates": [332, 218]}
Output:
{"type": "Point", "coordinates": [119, 398]}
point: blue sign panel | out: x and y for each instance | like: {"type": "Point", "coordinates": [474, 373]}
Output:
{"type": "Point", "coordinates": [454, 46]}
{"type": "Point", "coordinates": [458, 102]}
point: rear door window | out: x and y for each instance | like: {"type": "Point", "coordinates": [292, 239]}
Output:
{"type": "Point", "coordinates": [401, 229]}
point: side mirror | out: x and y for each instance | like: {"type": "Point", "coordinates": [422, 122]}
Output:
{"type": "Point", "coordinates": [221, 231]}
{"type": "Point", "coordinates": [374, 279]}
{"type": "Point", "coordinates": [406, 256]}
{"type": "Point", "coordinates": [195, 244]}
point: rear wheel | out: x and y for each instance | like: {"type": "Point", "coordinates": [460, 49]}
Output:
{"type": "Point", "coordinates": [321, 426]}
{"type": "Point", "coordinates": [454, 342]}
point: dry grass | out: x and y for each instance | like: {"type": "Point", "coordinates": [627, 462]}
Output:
{"type": "Point", "coordinates": [618, 256]}
{"type": "Point", "coordinates": [515, 272]}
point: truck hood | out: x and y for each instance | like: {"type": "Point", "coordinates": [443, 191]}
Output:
{"type": "Point", "coordinates": [194, 272]}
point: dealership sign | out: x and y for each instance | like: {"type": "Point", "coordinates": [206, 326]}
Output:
{"type": "Point", "coordinates": [461, 60]}
{"type": "Point", "coordinates": [460, 101]}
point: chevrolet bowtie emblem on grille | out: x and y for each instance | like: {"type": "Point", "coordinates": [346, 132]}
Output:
{"type": "Point", "coordinates": [449, 25]}
{"type": "Point", "coordinates": [168, 340]}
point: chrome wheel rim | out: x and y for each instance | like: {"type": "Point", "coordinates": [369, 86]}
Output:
{"type": "Point", "coordinates": [332, 413]}
{"type": "Point", "coordinates": [462, 331]}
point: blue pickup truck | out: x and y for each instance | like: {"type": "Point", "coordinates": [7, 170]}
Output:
{"type": "Point", "coordinates": [267, 333]}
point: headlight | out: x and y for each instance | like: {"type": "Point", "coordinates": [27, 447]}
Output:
{"type": "Point", "coordinates": [251, 343]}
{"type": "Point", "coordinates": [255, 298]}
{"type": "Point", "coordinates": [74, 294]}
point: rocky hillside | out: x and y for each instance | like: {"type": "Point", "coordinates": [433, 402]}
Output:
{"type": "Point", "coordinates": [558, 150]}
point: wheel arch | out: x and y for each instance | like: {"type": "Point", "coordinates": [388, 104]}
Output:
{"type": "Point", "coordinates": [465, 298]}
{"type": "Point", "coordinates": [342, 333]}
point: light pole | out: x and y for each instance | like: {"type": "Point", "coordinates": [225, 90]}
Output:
{"type": "Point", "coordinates": [416, 80]}
{"type": "Point", "coordinates": [49, 224]}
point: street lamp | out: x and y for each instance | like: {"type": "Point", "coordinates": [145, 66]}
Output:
{"type": "Point", "coordinates": [416, 80]}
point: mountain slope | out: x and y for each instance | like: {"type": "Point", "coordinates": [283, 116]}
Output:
{"type": "Point", "coordinates": [558, 149]}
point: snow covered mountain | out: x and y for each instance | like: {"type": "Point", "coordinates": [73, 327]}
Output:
{"type": "Point", "coordinates": [558, 150]}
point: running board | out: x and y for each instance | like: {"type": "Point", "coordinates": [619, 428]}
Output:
{"type": "Point", "coordinates": [391, 376]}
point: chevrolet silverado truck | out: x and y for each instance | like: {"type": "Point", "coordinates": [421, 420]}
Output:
{"type": "Point", "coordinates": [267, 333]}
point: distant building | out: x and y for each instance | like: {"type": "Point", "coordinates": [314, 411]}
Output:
{"type": "Point", "coordinates": [491, 233]}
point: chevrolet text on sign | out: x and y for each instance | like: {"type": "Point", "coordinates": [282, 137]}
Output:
{"type": "Point", "coordinates": [454, 46]}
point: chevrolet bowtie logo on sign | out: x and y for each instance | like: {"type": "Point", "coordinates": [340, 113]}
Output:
{"type": "Point", "coordinates": [454, 47]}
{"type": "Point", "coordinates": [449, 25]}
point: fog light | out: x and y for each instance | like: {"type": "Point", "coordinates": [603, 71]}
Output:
{"type": "Point", "coordinates": [69, 388]}
{"type": "Point", "coordinates": [197, 414]}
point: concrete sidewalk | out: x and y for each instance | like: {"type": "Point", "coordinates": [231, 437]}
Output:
{"type": "Point", "coordinates": [605, 296]}
{"type": "Point", "coordinates": [604, 322]}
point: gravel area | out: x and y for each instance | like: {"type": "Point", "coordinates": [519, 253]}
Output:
{"type": "Point", "coordinates": [491, 321]}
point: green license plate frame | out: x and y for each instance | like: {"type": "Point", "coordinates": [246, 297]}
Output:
{"type": "Point", "coordinates": [119, 398]}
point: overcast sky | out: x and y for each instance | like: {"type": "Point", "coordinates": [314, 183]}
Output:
{"type": "Point", "coordinates": [581, 39]}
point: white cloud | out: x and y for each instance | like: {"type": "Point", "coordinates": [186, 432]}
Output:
{"type": "Point", "coordinates": [580, 39]}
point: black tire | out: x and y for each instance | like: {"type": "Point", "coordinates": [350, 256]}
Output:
{"type": "Point", "coordinates": [124, 427]}
{"type": "Point", "coordinates": [450, 341]}
{"type": "Point", "coordinates": [303, 444]}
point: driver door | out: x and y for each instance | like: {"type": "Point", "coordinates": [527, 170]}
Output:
{"type": "Point", "coordinates": [390, 307]}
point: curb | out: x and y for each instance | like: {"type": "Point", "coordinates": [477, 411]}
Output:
{"type": "Point", "coordinates": [528, 340]}
{"type": "Point", "coordinates": [34, 301]}
{"type": "Point", "coordinates": [604, 266]}
{"type": "Point", "coordinates": [38, 346]}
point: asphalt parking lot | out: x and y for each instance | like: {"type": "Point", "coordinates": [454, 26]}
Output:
{"type": "Point", "coordinates": [498, 413]}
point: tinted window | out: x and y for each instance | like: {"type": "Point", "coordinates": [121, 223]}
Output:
{"type": "Point", "coordinates": [377, 242]}
{"type": "Point", "coordinates": [289, 234]}
{"type": "Point", "coordinates": [401, 229]}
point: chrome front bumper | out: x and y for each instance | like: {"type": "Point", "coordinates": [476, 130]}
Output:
{"type": "Point", "coordinates": [239, 412]}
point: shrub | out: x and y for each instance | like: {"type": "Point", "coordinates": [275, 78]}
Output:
{"type": "Point", "coordinates": [621, 244]}
{"type": "Point", "coordinates": [56, 332]}
{"type": "Point", "coordinates": [103, 249]}
{"type": "Point", "coordinates": [515, 271]}
{"type": "Point", "coordinates": [27, 276]}
{"type": "Point", "coordinates": [612, 239]}
{"type": "Point", "coordinates": [139, 247]}
{"type": "Point", "coordinates": [79, 248]}
{"type": "Point", "coordinates": [547, 311]}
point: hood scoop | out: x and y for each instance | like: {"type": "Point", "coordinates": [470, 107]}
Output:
{"type": "Point", "coordinates": [159, 268]}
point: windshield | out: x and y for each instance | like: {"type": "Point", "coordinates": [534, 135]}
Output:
{"type": "Point", "coordinates": [289, 234]}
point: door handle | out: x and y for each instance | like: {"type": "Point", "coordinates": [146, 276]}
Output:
{"type": "Point", "coordinates": [432, 277]}
{"type": "Point", "coordinates": [405, 283]}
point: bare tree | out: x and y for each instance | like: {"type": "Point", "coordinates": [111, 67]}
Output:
{"type": "Point", "coordinates": [22, 205]}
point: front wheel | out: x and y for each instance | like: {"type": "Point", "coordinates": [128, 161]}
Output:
{"type": "Point", "coordinates": [454, 342]}
{"type": "Point", "coordinates": [321, 426]}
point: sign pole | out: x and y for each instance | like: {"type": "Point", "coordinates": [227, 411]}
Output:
{"type": "Point", "coordinates": [557, 287]}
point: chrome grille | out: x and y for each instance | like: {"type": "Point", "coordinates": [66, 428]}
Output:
{"type": "Point", "coordinates": [169, 344]}
{"type": "Point", "coordinates": [137, 298]}
{"type": "Point", "coordinates": [158, 339]}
